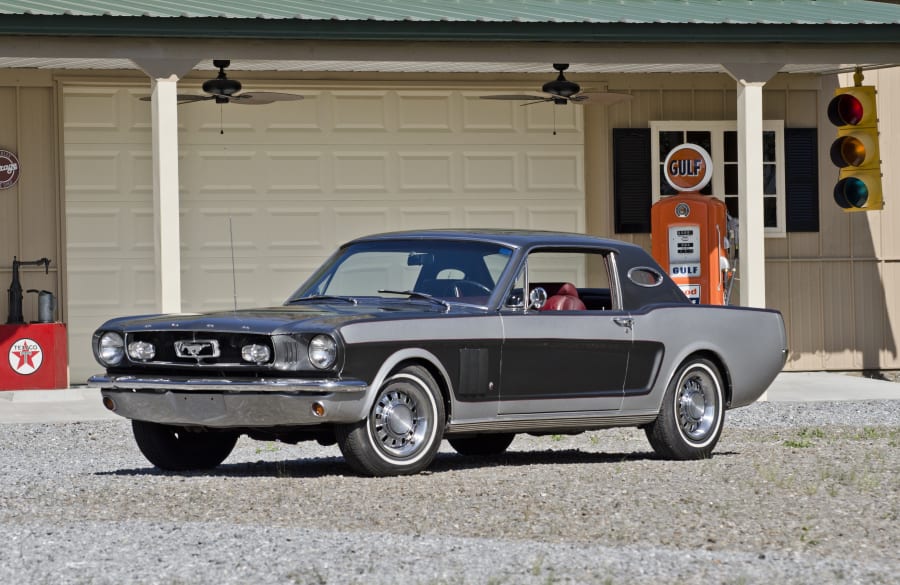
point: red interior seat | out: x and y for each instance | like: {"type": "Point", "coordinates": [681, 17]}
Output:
{"type": "Point", "coordinates": [565, 299]}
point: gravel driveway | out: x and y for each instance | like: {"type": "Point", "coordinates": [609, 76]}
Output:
{"type": "Point", "coordinates": [795, 493]}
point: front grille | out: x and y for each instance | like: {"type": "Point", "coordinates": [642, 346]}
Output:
{"type": "Point", "coordinates": [195, 348]}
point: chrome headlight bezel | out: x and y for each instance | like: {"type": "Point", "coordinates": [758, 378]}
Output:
{"type": "Point", "coordinates": [322, 351]}
{"type": "Point", "coordinates": [110, 348]}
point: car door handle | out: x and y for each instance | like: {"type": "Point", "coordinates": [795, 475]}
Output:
{"type": "Point", "coordinates": [626, 322]}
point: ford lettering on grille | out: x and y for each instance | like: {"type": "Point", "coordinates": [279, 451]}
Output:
{"type": "Point", "coordinates": [197, 349]}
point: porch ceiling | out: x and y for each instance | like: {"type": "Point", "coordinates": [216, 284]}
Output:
{"type": "Point", "coordinates": [497, 67]}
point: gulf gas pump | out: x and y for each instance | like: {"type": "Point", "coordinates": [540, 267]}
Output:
{"type": "Point", "coordinates": [689, 230]}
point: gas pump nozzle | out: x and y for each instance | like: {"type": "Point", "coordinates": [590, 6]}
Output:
{"type": "Point", "coordinates": [15, 288]}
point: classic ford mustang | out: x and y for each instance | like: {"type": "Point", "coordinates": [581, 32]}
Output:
{"type": "Point", "coordinates": [402, 340]}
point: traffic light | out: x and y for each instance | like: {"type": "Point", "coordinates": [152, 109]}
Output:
{"type": "Point", "coordinates": [855, 151]}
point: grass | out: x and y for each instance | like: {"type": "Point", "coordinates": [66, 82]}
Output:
{"type": "Point", "coordinates": [804, 438]}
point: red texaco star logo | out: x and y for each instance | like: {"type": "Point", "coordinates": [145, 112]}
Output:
{"type": "Point", "coordinates": [25, 356]}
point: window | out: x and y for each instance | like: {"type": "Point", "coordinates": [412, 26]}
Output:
{"type": "Point", "coordinates": [719, 138]}
{"type": "Point", "coordinates": [583, 275]}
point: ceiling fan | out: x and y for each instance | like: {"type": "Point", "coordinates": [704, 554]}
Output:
{"type": "Point", "coordinates": [562, 91]}
{"type": "Point", "coordinates": [225, 91]}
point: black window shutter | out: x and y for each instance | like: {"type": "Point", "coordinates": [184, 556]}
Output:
{"type": "Point", "coordinates": [801, 179]}
{"type": "Point", "coordinates": [632, 188]}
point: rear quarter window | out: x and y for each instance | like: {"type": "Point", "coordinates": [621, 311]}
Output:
{"type": "Point", "coordinates": [645, 276]}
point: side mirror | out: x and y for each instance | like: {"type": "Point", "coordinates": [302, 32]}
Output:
{"type": "Point", "coordinates": [537, 298]}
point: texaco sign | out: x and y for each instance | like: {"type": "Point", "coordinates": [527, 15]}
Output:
{"type": "Point", "coordinates": [25, 356]}
{"type": "Point", "coordinates": [9, 169]}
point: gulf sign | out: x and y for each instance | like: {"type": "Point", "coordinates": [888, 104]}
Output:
{"type": "Point", "coordinates": [9, 169]}
{"type": "Point", "coordinates": [688, 168]}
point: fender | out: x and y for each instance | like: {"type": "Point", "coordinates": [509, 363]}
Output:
{"type": "Point", "coordinates": [391, 363]}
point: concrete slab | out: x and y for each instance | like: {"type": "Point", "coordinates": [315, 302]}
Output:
{"type": "Point", "coordinates": [53, 406]}
{"type": "Point", "coordinates": [826, 386]}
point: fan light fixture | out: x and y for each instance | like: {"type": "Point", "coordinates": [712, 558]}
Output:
{"type": "Point", "coordinates": [561, 91]}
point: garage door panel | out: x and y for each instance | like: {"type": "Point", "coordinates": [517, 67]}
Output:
{"type": "Point", "coordinates": [361, 171]}
{"type": "Point", "coordinates": [558, 218]}
{"type": "Point", "coordinates": [217, 231]}
{"type": "Point", "coordinates": [433, 172]}
{"type": "Point", "coordinates": [427, 217]}
{"type": "Point", "coordinates": [555, 173]}
{"type": "Point", "coordinates": [546, 118]}
{"type": "Point", "coordinates": [353, 222]}
{"type": "Point", "coordinates": [294, 171]}
{"type": "Point", "coordinates": [212, 285]}
{"type": "Point", "coordinates": [424, 112]}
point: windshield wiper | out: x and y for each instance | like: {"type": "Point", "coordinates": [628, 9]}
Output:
{"type": "Point", "coordinates": [418, 295]}
{"type": "Point", "coordinates": [324, 298]}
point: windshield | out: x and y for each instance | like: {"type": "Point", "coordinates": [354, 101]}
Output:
{"type": "Point", "coordinates": [455, 271]}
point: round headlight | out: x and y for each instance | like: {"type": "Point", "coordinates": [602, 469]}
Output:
{"type": "Point", "coordinates": [141, 351]}
{"type": "Point", "coordinates": [111, 348]}
{"type": "Point", "coordinates": [322, 351]}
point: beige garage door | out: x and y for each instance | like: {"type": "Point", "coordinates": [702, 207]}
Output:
{"type": "Point", "coordinates": [288, 182]}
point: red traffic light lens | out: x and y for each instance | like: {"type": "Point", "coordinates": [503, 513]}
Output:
{"type": "Point", "coordinates": [848, 151]}
{"type": "Point", "coordinates": [845, 109]}
{"type": "Point", "coordinates": [851, 192]}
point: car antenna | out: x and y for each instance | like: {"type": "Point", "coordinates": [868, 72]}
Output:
{"type": "Point", "coordinates": [233, 275]}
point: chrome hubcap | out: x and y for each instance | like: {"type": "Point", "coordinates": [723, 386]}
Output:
{"type": "Point", "coordinates": [697, 405]}
{"type": "Point", "coordinates": [397, 424]}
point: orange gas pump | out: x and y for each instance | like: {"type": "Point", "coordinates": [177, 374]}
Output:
{"type": "Point", "coordinates": [688, 231]}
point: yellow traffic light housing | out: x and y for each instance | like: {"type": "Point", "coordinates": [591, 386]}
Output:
{"type": "Point", "coordinates": [855, 150]}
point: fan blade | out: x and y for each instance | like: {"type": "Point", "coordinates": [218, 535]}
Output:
{"type": "Point", "coordinates": [513, 97]}
{"type": "Point", "coordinates": [601, 98]}
{"type": "Point", "coordinates": [183, 98]}
{"type": "Point", "coordinates": [259, 98]}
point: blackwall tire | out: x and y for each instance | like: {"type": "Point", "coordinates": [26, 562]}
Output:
{"type": "Point", "coordinates": [403, 429]}
{"type": "Point", "coordinates": [178, 449]}
{"type": "Point", "coordinates": [482, 445]}
{"type": "Point", "coordinates": [692, 414]}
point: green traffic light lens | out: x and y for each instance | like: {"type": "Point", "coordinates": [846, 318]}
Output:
{"type": "Point", "coordinates": [845, 109]}
{"type": "Point", "coordinates": [851, 192]}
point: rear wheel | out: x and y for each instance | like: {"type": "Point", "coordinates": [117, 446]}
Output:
{"type": "Point", "coordinates": [690, 420]}
{"type": "Point", "coordinates": [403, 430]}
{"type": "Point", "coordinates": [180, 449]}
{"type": "Point", "coordinates": [481, 445]}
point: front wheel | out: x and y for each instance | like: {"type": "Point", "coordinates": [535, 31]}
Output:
{"type": "Point", "coordinates": [690, 419]}
{"type": "Point", "coordinates": [403, 430]}
{"type": "Point", "coordinates": [179, 449]}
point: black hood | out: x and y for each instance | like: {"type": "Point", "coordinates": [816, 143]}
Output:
{"type": "Point", "coordinates": [317, 316]}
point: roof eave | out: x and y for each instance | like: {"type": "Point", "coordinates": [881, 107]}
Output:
{"type": "Point", "coordinates": [445, 30]}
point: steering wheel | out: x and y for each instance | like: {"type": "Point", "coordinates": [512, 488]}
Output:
{"type": "Point", "coordinates": [474, 288]}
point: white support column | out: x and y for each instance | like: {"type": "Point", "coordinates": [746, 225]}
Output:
{"type": "Point", "coordinates": [166, 200]}
{"type": "Point", "coordinates": [750, 195]}
{"type": "Point", "coordinates": [752, 249]}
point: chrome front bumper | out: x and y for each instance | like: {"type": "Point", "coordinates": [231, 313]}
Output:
{"type": "Point", "coordinates": [223, 403]}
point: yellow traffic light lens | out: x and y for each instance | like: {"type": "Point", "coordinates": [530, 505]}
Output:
{"type": "Point", "coordinates": [848, 151]}
{"type": "Point", "coordinates": [845, 109]}
{"type": "Point", "coordinates": [851, 192]}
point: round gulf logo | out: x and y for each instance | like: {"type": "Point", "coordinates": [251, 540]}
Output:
{"type": "Point", "coordinates": [688, 168]}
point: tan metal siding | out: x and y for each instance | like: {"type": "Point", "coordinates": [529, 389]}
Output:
{"type": "Point", "coordinates": [29, 211]}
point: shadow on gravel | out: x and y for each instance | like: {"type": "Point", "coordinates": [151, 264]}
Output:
{"type": "Point", "coordinates": [443, 463]}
